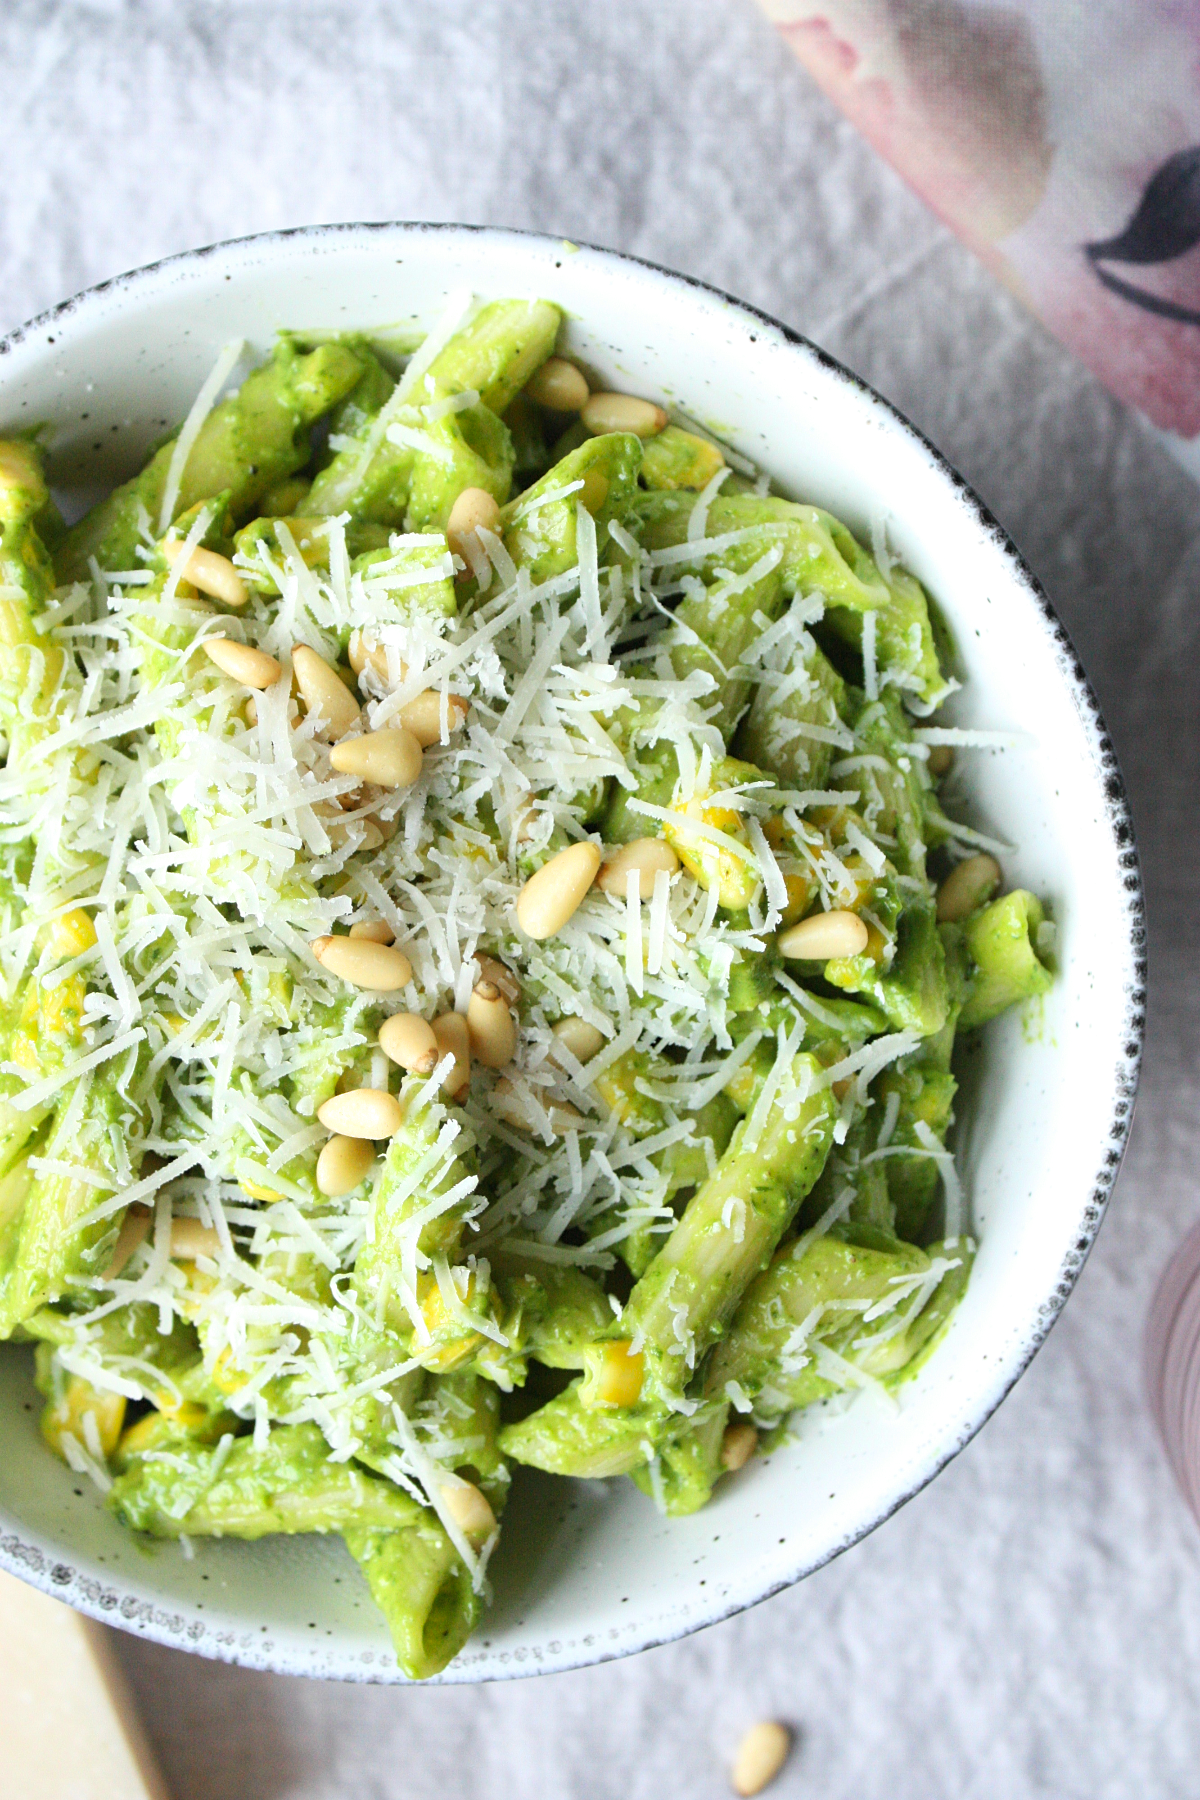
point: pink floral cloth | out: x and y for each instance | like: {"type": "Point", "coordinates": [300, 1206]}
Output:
{"type": "Point", "coordinates": [1061, 140]}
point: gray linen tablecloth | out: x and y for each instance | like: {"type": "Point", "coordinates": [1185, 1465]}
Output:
{"type": "Point", "coordinates": [1030, 1625]}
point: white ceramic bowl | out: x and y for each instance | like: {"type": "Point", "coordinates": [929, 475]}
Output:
{"type": "Point", "coordinates": [588, 1571]}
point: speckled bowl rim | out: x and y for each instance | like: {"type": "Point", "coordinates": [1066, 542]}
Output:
{"type": "Point", "coordinates": [107, 1601]}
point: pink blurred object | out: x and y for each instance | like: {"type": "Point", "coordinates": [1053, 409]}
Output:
{"type": "Point", "coordinates": [1173, 1365]}
{"type": "Point", "coordinates": [1062, 143]}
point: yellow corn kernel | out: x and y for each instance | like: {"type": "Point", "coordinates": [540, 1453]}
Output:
{"type": "Point", "coordinates": [72, 934]}
{"type": "Point", "coordinates": [799, 899]}
{"type": "Point", "coordinates": [253, 1191]}
{"type": "Point", "coordinates": [735, 877]}
{"type": "Point", "coordinates": [65, 1417]}
{"type": "Point", "coordinates": [62, 1007]}
{"type": "Point", "coordinates": [188, 1413]}
{"type": "Point", "coordinates": [614, 1377]}
{"type": "Point", "coordinates": [226, 1374]}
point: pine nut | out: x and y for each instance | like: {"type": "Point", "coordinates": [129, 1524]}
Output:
{"type": "Point", "coordinates": [580, 1038]}
{"type": "Point", "coordinates": [647, 856]}
{"type": "Point", "coordinates": [823, 936]}
{"type": "Point", "coordinates": [761, 1754]}
{"type": "Point", "coordinates": [941, 759]}
{"type": "Point", "coordinates": [343, 1164]}
{"type": "Point", "coordinates": [738, 1445]}
{"type": "Point", "coordinates": [453, 1039]}
{"type": "Point", "coordinates": [134, 1228]}
{"type": "Point", "coordinates": [409, 1040]}
{"type": "Point", "coordinates": [241, 662]}
{"type": "Point", "coordinates": [491, 1026]}
{"type": "Point", "coordinates": [372, 837]}
{"type": "Point", "coordinates": [376, 931]}
{"type": "Point", "coordinates": [557, 891]}
{"type": "Point", "coordinates": [362, 1113]}
{"type": "Point", "coordinates": [967, 886]}
{"type": "Point", "coordinates": [500, 976]}
{"type": "Point", "coordinates": [324, 693]}
{"type": "Point", "coordinates": [559, 385]}
{"type": "Point", "coordinates": [376, 658]}
{"type": "Point", "coordinates": [603, 413]}
{"type": "Point", "coordinates": [190, 1239]}
{"type": "Point", "coordinates": [423, 716]}
{"type": "Point", "coordinates": [380, 968]}
{"type": "Point", "coordinates": [470, 1511]}
{"type": "Point", "coordinates": [211, 573]}
{"type": "Point", "coordinates": [389, 759]}
{"type": "Point", "coordinates": [512, 1106]}
{"type": "Point", "coordinates": [474, 508]}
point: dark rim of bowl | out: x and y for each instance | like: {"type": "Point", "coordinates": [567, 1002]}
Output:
{"type": "Point", "coordinates": [114, 1607]}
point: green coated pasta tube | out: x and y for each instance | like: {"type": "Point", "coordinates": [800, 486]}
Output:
{"type": "Point", "coordinates": [730, 1227]}
{"type": "Point", "coordinates": [423, 1589]}
{"type": "Point", "coordinates": [685, 1300]}
{"type": "Point", "coordinates": [1002, 942]}
{"type": "Point", "coordinates": [824, 1293]}
{"type": "Point", "coordinates": [778, 731]}
{"type": "Point", "coordinates": [818, 555]}
{"type": "Point", "coordinates": [376, 479]}
{"type": "Point", "coordinates": [287, 1486]}
{"type": "Point", "coordinates": [31, 664]}
{"type": "Point", "coordinates": [245, 445]}
{"type": "Point", "coordinates": [540, 531]}
{"type": "Point", "coordinates": [54, 1247]}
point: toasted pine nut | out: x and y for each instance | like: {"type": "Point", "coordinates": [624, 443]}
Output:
{"type": "Point", "coordinates": [250, 712]}
{"type": "Point", "coordinates": [491, 1026]}
{"type": "Point", "coordinates": [500, 976]}
{"type": "Point", "coordinates": [343, 1164]}
{"type": "Point", "coordinates": [380, 968]}
{"type": "Point", "coordinates": [823, 936]}
{"type": "Point", "coordinates": [556, 892]}
{"type": "Point", "coordinates": [324, 693]}
{"type": "Point", "coordinates": [941, 759]}
{"type": "Point", "coordinates": [602, 413]}
{"type": "Point", "coordinates": [580, 1038]}
{"type": "Point", "coordinates": [190, 1239]}
{"type": "Point", "coordinates": [760, 1756]}
{"type": "Point", "coordinates": [470, 1511]}
{"type": "Point", "coordinates": [738, 1445]}
{"type": "Point", "coordinates": [423, 716]}
{"type": "Point", "coordinates": [473, 509]}
{"type": "Point", "coordinates": [211, 573]}
{"type": "Point", "coordinates": [647, 856]}
{"type": "Point", "coordinates": [619, 1377]}
{"type": "Point", "coordinates": [408, 1040]}
{"type": "Point", "coordinates": [242, 662]}
{"type": "Point", "coordinates": [134, 1227]}
{"type": "Point", "coordinates": [372, 837]}
{"type": "Point", "coordinates": [376, 931]}
{"type": "Point", "coordinates": [967, 886]}
{"type": "Point", "coordinates": [559, 385]}
{"type": "Point", "coordinates": [361, 657]}
{"type": "Point", "coordinates": [453, 1039]}
{"type": "Point", "coordinates": [390, 758]}
{"type": "Point", "coordinates": [363, 1113]}
{"type": "Point", "coordinates": [512, 1106]}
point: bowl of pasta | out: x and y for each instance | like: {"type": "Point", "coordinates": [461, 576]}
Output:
{"type": "Point", "coordinates": [571, 951]}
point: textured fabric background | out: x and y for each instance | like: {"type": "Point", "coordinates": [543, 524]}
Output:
{"type": "Point", "coordinates": [1030, 1625]}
